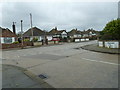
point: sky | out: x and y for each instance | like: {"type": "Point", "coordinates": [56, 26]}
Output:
{"type": "Point", "coordinates": [63, 15]}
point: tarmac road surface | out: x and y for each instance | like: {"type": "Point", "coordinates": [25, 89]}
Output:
{"type": "Point", "coordinates": [68, 67]}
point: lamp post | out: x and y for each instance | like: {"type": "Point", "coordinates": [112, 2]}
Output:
{"type": "Point", "coordinates": [22, 33]}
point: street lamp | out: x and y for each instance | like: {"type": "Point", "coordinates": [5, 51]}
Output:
{"type": "Point", "coordinates": [22, 32]}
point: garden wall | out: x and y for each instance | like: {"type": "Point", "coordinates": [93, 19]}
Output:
{"type": "Point", "coordinates": [109, 44]}
{"type": "Point", "coordinates": [13, 45]}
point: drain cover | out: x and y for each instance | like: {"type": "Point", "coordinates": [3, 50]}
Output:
{"type": "Point", "coordinates": [42, 76]}
{"type": "Point", "coordinates": [77, 48]}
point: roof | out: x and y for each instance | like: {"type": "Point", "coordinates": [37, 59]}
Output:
{"type": "Point", "coordinates": [90, 30]}
{"type": "Point", "coordinates": [74, 31]}
{"type": "Point", "coordinates": [61, 31]}
{"type": "Point", "coordinates": [6, 33]}
{"type": "Point", "coordinates": [36, 32]}
{"type": "Point", "coordinates": [55, 31]}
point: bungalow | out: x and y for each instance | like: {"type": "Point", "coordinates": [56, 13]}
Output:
{"type": "Point", "coordinates": [7, 36]}
{"type": "Point", "coordinates": [37, 33]}
{"type": "Point", "coordinates": [90, 33]}
{"type": "Point", "coordinates": [62, 33]}
{"type": "Point", "coordinates": [74, 33]}
{"type": "Point", "coordinates": [54, 33]}
{"type": "Point", "coordinates": [85, 34]}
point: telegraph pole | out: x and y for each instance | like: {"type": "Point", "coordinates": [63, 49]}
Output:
{"type": "Point", "coordinates": [22, 32]}
{"type": "Point", "coordinates": [31, 25]}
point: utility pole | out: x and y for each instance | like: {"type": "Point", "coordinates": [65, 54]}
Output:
{"type": "Point", "coordinates": [31, 25]}
{"type": "Point", "coordinates": [22, 33]}
{"type": "Point", "coordinates": [119, 10]}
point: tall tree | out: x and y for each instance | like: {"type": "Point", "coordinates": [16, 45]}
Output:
{"type": "Point", "coordinates": [111, 30]}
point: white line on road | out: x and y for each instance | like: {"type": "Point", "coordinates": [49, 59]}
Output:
{"type": "Point", "coordinates": [100, 61]}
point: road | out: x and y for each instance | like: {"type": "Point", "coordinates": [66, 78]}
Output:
{"type": "Point", "coordinates": [68, 67]}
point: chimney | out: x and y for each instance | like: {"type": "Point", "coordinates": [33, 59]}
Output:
{"type": "Point", "coordinates": [13, 26]}
{"type": "Point", "coordinates": [76, 29]}
{"type": "Point", "coordinates": [55, 28]}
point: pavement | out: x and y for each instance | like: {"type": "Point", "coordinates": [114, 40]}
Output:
{"type": "Point", "coordinates": [67, 67]}
{"type": "Point", "coordinates": [16, 77]}
{"type": "Point", "coordinates": [96, 48]}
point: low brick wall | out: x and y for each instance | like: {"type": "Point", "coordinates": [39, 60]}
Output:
{"type": "Point", "coordinates": [6, 46]}
{"type": "Point", "coordinates": [53, 42]}
{"type": "Point", "coordinates": [49, 43]}
{"type": "Point", "coordinates": [109, 44]}
{"type": "Point", "coordinates": [81, 39]}
{"type": "Point", "coordinates": [37, 43]}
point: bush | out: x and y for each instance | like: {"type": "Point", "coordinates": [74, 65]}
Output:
{"type": "Point", "coordinates": [35, 39]}
{"type": "Point", "coordinates": [26, 40]}
{"type": "Point", "coordinates": [16, 42]}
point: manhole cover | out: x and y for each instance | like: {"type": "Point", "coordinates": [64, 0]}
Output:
{"type": "Point", "coordinates": [42, 76]}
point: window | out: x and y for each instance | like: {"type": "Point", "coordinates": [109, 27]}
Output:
{"type": "Point", "coordinates": [8, 40]}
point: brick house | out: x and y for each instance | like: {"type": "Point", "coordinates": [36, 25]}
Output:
{"type": "Point", "coordinates": [37, 33]}
{"type": "Point", "coordinates": [74, 33]}
{"type": "Point", "coordinates": [57, 34]}
{"type": "Point", "coordinates": [7, 36]}
{"type": "Point", "coordinates": [90, 33]}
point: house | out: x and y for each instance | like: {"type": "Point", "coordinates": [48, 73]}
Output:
{"type": "Point", "coordinates": [74, 33]}
{"type": "Point", "coordinates": [62, 33]}
{"type": "Point", "coordinates": [7, 36]}
{"type": "Point", "coordinates": [37, 33]}
{"type": "Point", "coordinates": [52, 34]}
{"type": "Point", "coordinates": [90, 33]}
{"type": "Point", "coordinates": [58, 34]}
{"type": "Point", "coordinates": [85, 34]}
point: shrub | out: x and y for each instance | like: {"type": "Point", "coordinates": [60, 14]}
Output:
{"type": "Point", "coordinates": [35, 39]}
{"type": "Point", "coordinates": [26, 40]}
{"type": "Point", "coordinates": [16, 42]}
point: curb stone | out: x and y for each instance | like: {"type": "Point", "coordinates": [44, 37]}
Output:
{"type": "Point", "coordinates": [87, 48]}
{"type": "Point", "coordinates": [42, 83]}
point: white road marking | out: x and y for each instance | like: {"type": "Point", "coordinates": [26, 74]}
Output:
{"type": "Point", "coordinates": [101, 61]}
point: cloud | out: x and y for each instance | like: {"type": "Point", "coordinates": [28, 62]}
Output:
{"type": "Point", "coordinates": [64, 15]}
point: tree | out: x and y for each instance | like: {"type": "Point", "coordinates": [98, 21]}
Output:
{"type": "Point", "coordinates": [111, 30]}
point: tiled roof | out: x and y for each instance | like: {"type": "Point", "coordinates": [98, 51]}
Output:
{"type": "Point", "coordinates": [74, 31]}
{"type": "Point", "coordinates": [60, 31]}
{"type": "Point", "coordinates": [90, 30]}
{"type": "Point", "coordinates": [55, 31]}
{"type": "Point", "coordinates": [6, 33]}
{"type": "Point", "coordinates": [36, 32]}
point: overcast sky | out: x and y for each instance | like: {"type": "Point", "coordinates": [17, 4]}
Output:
{"type": "Point", "coordinates": [64, 15]}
